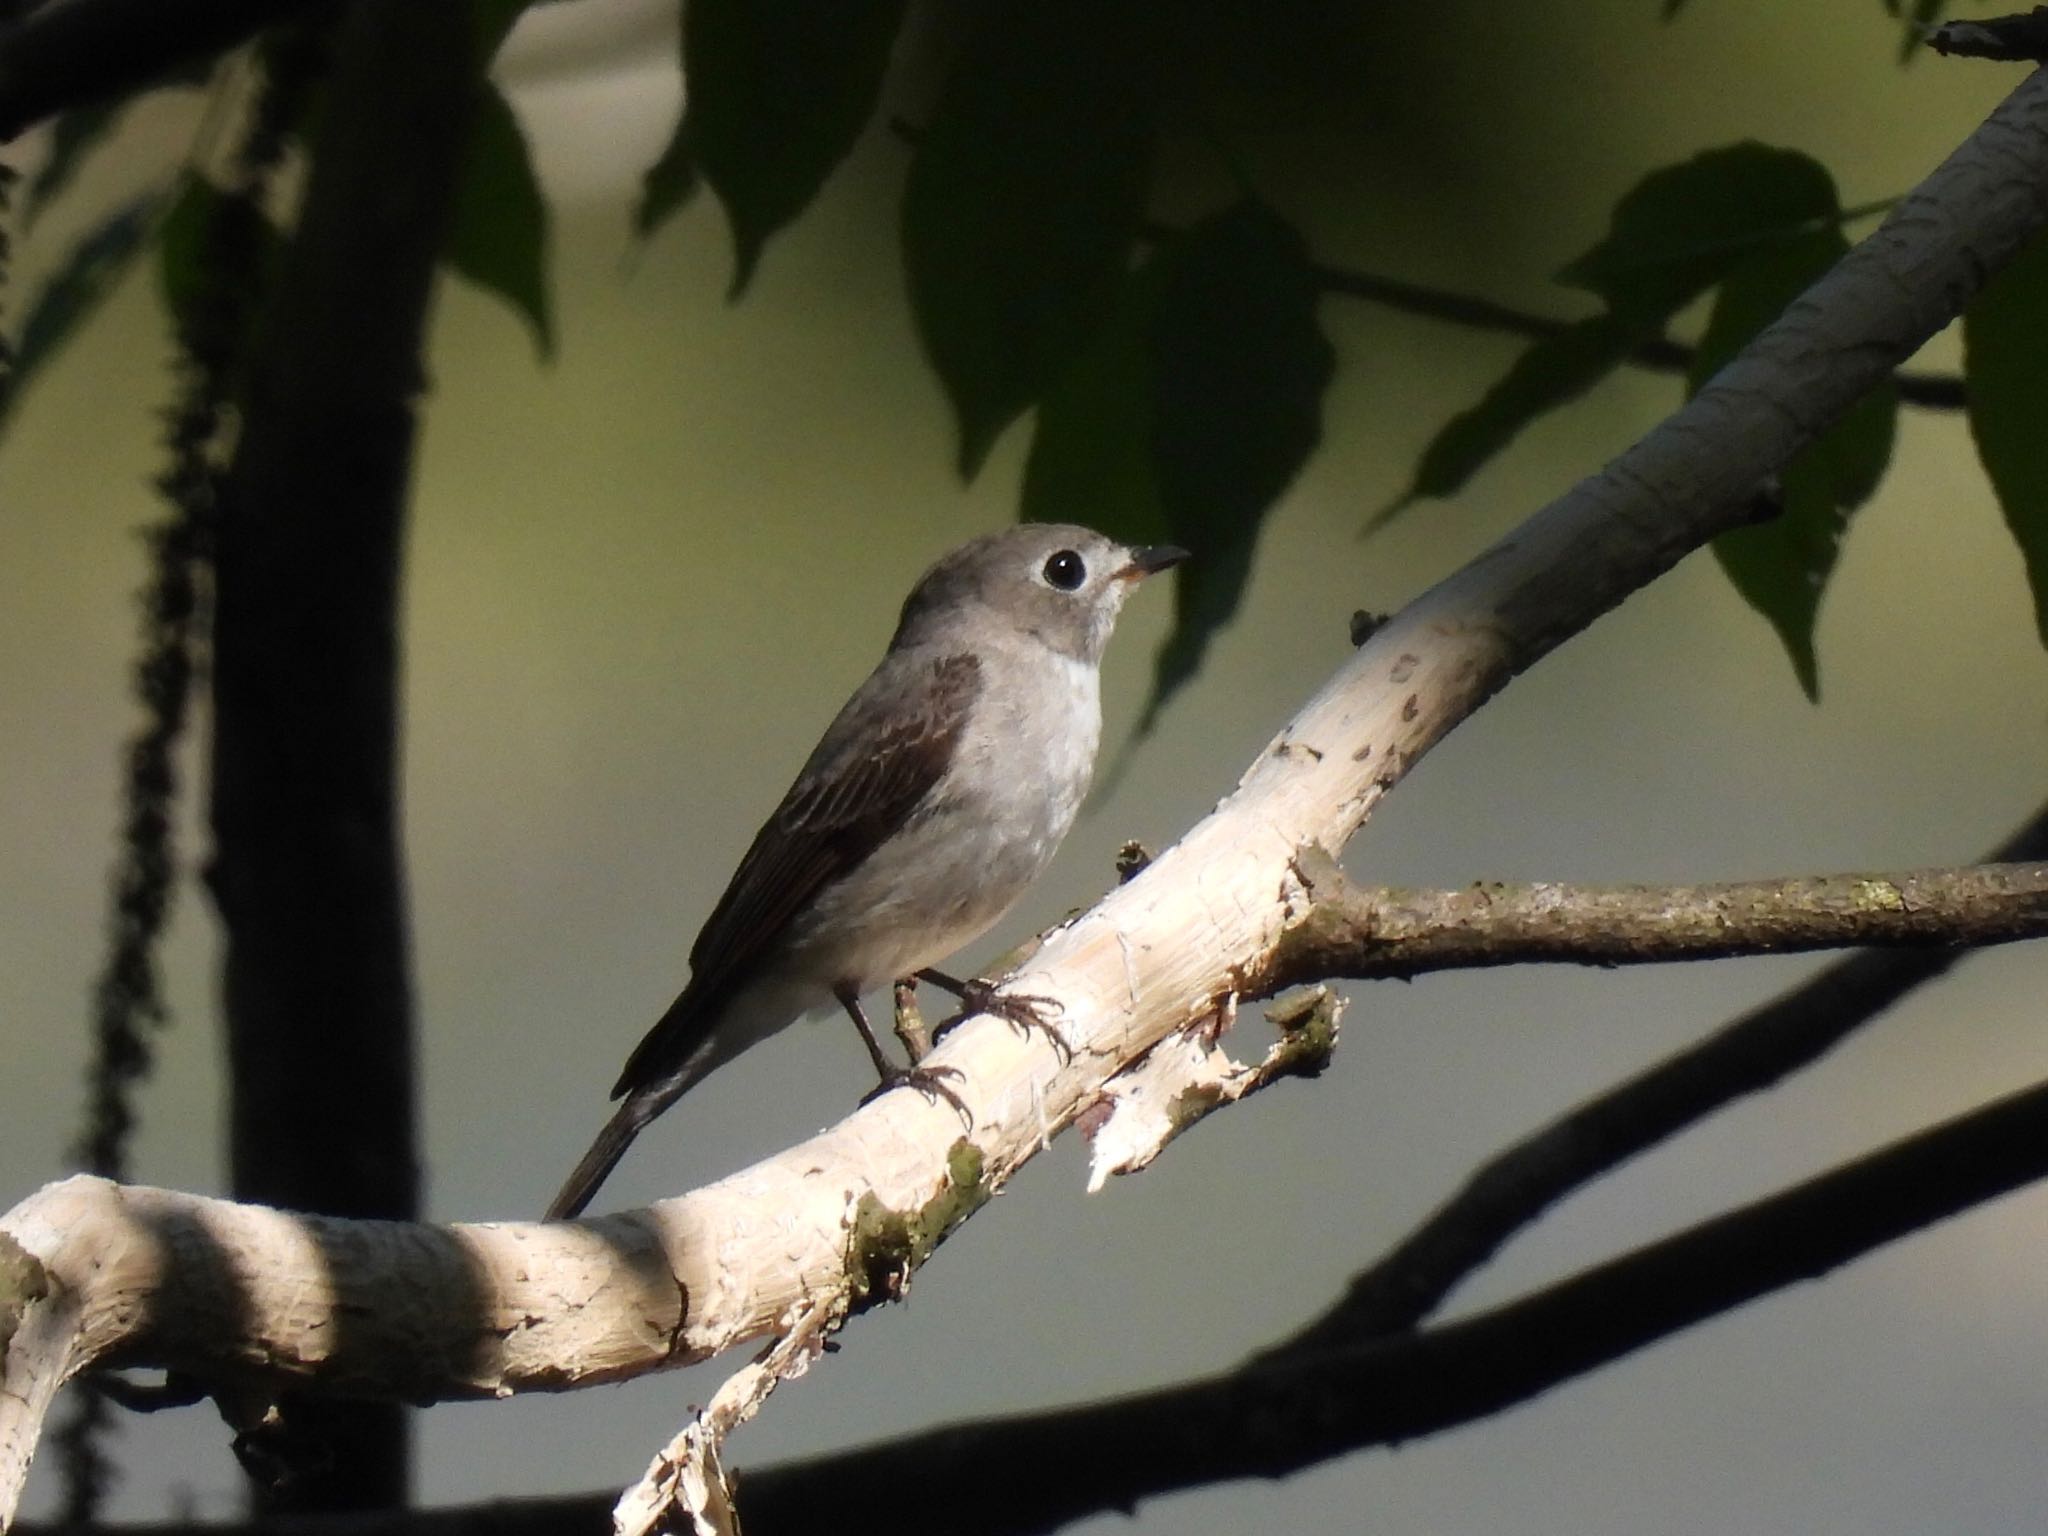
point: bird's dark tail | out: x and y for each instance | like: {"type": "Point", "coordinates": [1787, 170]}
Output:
{"type": "Point", "coordinates": [627, 1121]}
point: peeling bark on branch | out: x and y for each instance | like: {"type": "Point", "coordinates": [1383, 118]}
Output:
{"type": "Point", "coordinates": [1185, 1079]}
{"type": "Point", "coordinates": [1369, 933]}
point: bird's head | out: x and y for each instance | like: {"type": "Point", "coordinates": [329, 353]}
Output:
{"type": "Point", "coordinates": [1056, 582]}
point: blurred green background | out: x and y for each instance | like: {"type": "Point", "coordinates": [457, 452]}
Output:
{"type": "Point", "coordinates": [643, 577]}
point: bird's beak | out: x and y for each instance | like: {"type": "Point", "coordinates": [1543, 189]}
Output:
{"type": "Point", "coordinates": [1151, 560]}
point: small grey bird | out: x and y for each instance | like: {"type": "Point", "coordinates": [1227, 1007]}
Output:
{"type": "Point", "coordinates": [938, 794]}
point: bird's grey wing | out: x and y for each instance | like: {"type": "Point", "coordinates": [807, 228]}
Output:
{"type": "Point", "coordinates": [878, 759]}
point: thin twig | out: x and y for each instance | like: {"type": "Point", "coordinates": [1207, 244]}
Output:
{"type": "Point", "coordinates": [1659, 354]}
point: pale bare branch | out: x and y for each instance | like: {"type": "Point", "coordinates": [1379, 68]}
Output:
{"type": "Point", "coordinates": [234, 1293]}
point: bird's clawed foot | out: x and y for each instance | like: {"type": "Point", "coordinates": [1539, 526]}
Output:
{"type": "Point", "coordinates": [1022, 1011]}
{"type": "Point", "coordinates": [929, 1081]}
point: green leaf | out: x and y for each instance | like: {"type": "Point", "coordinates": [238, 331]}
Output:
{"type": "Point", "coordinates": [1782, 568]}
{"type": "Point", "coordinates": [1240, 366]}
{"type": "Point", "coordinates": [1189, 411]}
{"type": "Point", "coordinates": [1023, 199]}
{"type": "Point", "coordinates": [1679, 230]}
{"type": "Point", "coordinates": [499, 235]}
{"type": "Point", "coordinates": [1675, 234]}
{"type": "Point", "coordinates": [1091, 458]}
{"type": "Point", "coordinates": [70, 294]}
{"type": "Point", "coordinates": [2005, 361]}
{"type": "Point", "coordinates": [776, 93]}
{"type": "Point", "coordinates": [1549, 373]}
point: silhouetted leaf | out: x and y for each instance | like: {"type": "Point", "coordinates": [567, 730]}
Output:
{"type": "Point", "coordinates": [669, 183]}
{"type": "Point", "coordinates": [498, 238]}
{"type": "Point", "coordinates": [497, 233]}
{"type": "Point", "coordinates": [1672, 236]}
{"type": "Point", "coordinates": [1023, 197]}
{"type": "Point", "coordinates": [776, 92]}
{"type": "Point", "coordinates": [75, 288]}
{"type": "Point", "coordinates": [1240, 365]}
{"type": "Point", "coordinates": [1680, 229]}
{"type": "Point", "coordinates": [1548, 374]}
{"type": "Point", "coordinates": [1189, 411]}
{"type": "Point", "coordinates": [1782, 568]}
{"type": "Point", "coordinates": [1091, 457]}
{"type": "Point", "coordinates": [1913, 38]}
{"type": "Point", "coordinates": [2005, 360]}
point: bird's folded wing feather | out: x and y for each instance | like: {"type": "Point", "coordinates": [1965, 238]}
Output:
{"type": "Point", "coordinates": [879, 758]}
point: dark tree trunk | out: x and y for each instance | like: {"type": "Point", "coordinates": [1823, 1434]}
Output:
{"type": "Point", "coordinates": [308, 872]}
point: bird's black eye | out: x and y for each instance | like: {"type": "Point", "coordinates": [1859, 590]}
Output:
{"type": "Point", "coordinates": [1065, 570]}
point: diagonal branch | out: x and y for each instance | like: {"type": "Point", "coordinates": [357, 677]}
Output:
{"type": "Point", "coordinates": [239, 1293]}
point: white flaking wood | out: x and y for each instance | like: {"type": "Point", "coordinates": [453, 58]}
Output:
{"type": "Point", "coordinates": [686, 1486]}
{"type": "Point", "coordinates": [1188, 1076]}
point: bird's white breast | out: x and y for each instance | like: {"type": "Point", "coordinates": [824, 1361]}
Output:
{"type": "Point", "coordinates": [990, 826]}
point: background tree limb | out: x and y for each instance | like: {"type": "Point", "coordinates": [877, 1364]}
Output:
{"type": "Point", "coordinates": [1282, 1414]}
{"type": "Point", "coordinates": [308, 870]}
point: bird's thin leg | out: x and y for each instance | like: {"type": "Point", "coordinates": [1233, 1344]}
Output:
{"type": "Point", "coordinates": [929, 1081]}
{"type": "Point", "coordinates": [1024, 1012]}
{"type": "Point", "coordinates": [910, 1025]}
{"type": "Point", "coordinates": [850, 1001]}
